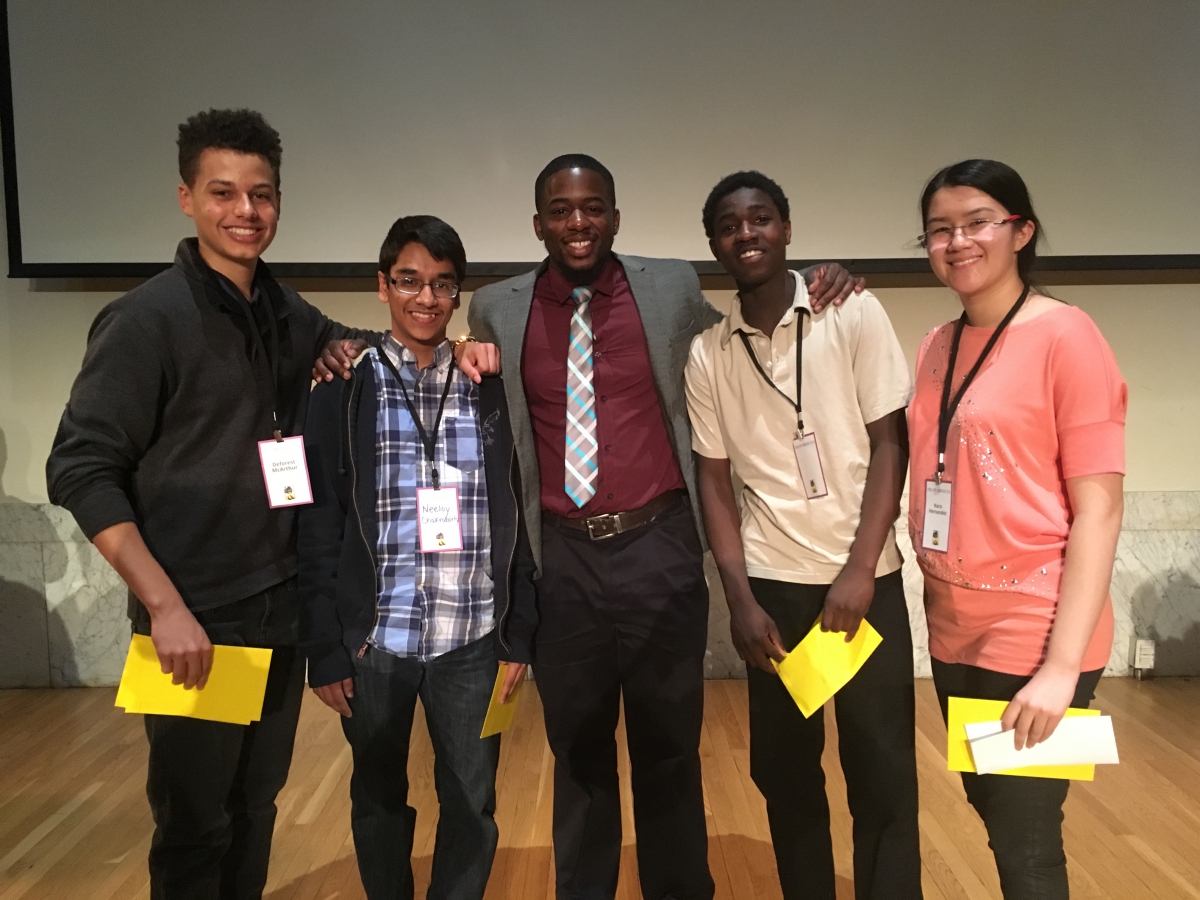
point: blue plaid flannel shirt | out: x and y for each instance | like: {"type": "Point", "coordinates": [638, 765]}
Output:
{"type": "Point", "coordinates": [429, 603]}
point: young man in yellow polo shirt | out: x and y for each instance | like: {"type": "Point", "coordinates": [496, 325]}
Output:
{"type": "Point", "coordinates": [822, 458]}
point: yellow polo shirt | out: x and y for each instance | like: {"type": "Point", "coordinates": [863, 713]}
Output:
{"type": "Point", "coordinates": [854, 373]}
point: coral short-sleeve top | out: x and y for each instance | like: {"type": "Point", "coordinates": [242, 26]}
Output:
{"type": "Point", "coordinates": [1047, 405]}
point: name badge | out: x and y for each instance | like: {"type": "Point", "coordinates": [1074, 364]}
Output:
{"type": "Point", "coordinates": [438, 521]}
{"type": "Point", "coordinates": [936, 534]}
{"type": "Point", "coordinates": [285, 472]}
{"type": "Point", "coordinates": [808, 458]}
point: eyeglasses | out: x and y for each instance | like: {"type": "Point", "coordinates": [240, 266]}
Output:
{"type": "Point", "coordinates": [939, 238]}
{"type": "Point", "coordinates": [442, 290]}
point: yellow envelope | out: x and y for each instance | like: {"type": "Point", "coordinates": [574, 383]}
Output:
{"type": "Point", "coordinates": [823, 662]}
{"type": "Point", "coordinates": [500, 715]}
{"type": "Point", "coordinates": [234, 692]}
{"type": "Point", "coordinates": [968, 710]}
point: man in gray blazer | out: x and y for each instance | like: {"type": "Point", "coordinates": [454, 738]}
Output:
{"type": "Point", "coordinates": [600, 421]}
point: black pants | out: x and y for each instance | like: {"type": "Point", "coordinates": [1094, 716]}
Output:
{"type": "Point", "coordinates": [1023, 816]}
{"type": "Point", "coordinates": [212, 785]}
{"type": "Point", "coordinates": [876, 720]}
{"type": "Point", "coordinates": [625, 617]}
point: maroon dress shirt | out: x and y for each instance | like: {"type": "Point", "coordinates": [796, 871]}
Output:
{"type": "Point", "coordinates": [637, 461]}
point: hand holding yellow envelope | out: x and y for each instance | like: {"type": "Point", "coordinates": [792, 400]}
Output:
{"type": "Point", "coordinates": [964, 711]}
{"type": "Point", "coordinates": [234, 692]}
{"type": "Point", "coordinates": [500, 715]}
{"type": "Point", "coordinates": [823, 663]}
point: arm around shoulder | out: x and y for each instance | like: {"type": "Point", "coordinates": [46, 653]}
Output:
{"type": "Point", "coordinates": [480, 314]}
{"type": "Point", "coordinates": [326, 329]}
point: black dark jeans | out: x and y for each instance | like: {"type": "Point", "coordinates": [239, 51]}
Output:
{"type": "Point", "coordinates": [455, 689]}
{"type": "Point", "coordinates": [1023, 816]}
{"type": "Point", "coordinates": [212, 785]}
{"type": "Point", "coordinates": [625, 617]}
{"type": "Point", "coordinates": [876, 720]}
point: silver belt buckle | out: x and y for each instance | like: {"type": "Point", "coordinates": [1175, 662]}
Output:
{"type": "Point", "coordinates": [603, 527]}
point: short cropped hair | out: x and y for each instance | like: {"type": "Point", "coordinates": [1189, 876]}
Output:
{"type": "Point", "coordinates": [735, 182]}
{"type": "Point", "coordinates": [572, 161]}
{"type": "Point", "coordinates": [442, 242]}
{"type": "Point", "coordinates": [240, 130]}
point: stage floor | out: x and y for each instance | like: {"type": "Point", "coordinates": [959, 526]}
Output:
{"type": "Point", "coordinates": [74, 821]}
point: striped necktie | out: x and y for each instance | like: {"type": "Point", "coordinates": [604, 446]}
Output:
{"type": "Point", "coordinates": [581, 446]}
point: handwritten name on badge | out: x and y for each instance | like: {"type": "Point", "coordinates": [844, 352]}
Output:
{"type": "Point", "coordinates": [936, 530]}
{"type": "Point", "coordinates": [808, 458]}
{"type": "Point", "coordinates": [438, 521]}
{"type": "Point", "coordinates": [285, 472]}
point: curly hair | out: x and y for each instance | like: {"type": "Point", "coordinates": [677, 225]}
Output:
{"type": "Point", "coordinates": [240, 130]}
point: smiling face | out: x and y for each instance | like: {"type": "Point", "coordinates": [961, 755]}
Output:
{"type": "Point", "coordinates": [971, 266]}
{"type": "Point", "coordinates": [577, 221]}
{"type": "Point", "coordinates": [419, 321]}
{"type": "Point", "coordinates": [235, 206]}
{"type": "Point", "coordinates": [750, 237]}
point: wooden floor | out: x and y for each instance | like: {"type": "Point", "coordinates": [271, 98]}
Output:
{"type": "Point", "coordinates": [74, 821]}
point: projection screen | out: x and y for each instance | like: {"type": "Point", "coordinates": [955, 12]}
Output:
{"type": "Point", "coordinates": [451, 108]}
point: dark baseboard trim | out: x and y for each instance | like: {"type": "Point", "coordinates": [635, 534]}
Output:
{"type": "Point", "coordinates": [354, 277]}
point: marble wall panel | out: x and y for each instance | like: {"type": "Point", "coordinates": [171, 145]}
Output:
{"type": "Point", "coordinates": [86, 615]}
{"type": "Point", "coordinates": [914, 591]}
{"type": "Point", "coordinates": [1156, 595]}
{"type": "Point", "coordinates": [1161, 511]}
{"type": "Point", "coordinates": [720, 659]}
{"type": "Point", "coordinates": [24, 653]}
{"type": "Point", "coordinates": [62, 609]}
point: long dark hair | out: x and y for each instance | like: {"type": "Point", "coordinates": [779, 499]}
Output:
{"type": "Point", "coordinates": [1002, 184]}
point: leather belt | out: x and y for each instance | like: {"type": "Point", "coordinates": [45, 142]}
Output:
{"type": "Point", "coordinates": [599, 528]}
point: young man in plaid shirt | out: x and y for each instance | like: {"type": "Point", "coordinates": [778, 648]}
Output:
{"type": "Point", "coordinates": [415, 570]}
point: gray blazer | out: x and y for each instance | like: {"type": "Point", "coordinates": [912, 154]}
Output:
{"type": "Point", "coordinates": [673, 311]}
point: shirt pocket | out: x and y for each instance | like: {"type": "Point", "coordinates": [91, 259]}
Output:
{"type": "Point", "coordinates": [464, 448]}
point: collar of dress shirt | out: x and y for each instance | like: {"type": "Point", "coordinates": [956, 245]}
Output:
{"type": "Point", "coordinates": [736, 322]}
{"type": "Point", "coordinates": [400, 355]}
{"type": "Point", "coordinates": [559, 288]}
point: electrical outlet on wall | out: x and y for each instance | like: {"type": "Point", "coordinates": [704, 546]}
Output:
{"type": "Point", "coordinates": [1141, 655]}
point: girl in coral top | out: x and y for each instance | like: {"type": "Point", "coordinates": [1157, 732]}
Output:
{"type": "Point", "coordinates": [1029, 458]}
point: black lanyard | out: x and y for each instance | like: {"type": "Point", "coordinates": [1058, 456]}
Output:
{"type": "Point", "coordinates": [949, 404]}
{"type": "Point", "coordinates": [272, 358]}
{"type": "Point", "coordinates": [801, 312]}
{"type": "Point", "coordinates": [428, 440]}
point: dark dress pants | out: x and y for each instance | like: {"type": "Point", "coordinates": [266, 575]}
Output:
{"type": "Point", "coordinates": [455, 689]}
{"type": "Point", "coordinates": [212, 785]}
{"type": "Point", "coordinates": [876, 721]}
{"type": "Point", "coordinates": [625, 617]}
{"type": "Point", "coordinates": [1023, 816]}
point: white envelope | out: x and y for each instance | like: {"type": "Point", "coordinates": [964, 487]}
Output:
{"type": "Point", "coordinates": [1078, 740]}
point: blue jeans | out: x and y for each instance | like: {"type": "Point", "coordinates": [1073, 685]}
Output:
{"type": "Point", "coordinates": [454, 689]}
